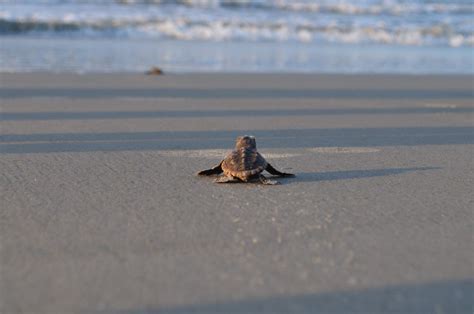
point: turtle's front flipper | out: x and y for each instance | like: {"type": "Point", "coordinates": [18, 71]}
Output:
{"type": "Point", "coordinates": [275, 172]}
{"type": "Point", "coordinates": [266, 181]}
{"type": "Point", "coordinates": [227, 179]}
{"type": "Point", "coordinates": [209, 172]}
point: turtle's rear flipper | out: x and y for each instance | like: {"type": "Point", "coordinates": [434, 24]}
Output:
{"type": "Point", "coordinates": [226, 179]}
{"type": "Point", "coordinates": [266, 181]}
{"type": "Point", "coordinates": [275, 172]}
{"type": "Point", "coordinates": [209, 172]}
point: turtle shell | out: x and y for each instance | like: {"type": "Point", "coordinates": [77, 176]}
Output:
{"type": "Point", "coordinates": [243, 163]}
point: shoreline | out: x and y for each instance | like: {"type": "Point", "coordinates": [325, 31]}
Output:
{"type": "Point", "coordinates": [204, 72]}
{"type": "Point", "coordinates": [129, 55]}
{"type": "Point", "coordinates": [452, 81]}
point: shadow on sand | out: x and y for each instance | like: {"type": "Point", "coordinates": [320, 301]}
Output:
{"type": "Point", "coordinates": [352, 174]}
{"type": "Point", "coordinates": [453, 296]}
{"type": "Point", "coordinates": [83, 115]}
{"type": "Point", "coordinates": [336, 175]}
{"type": "Point", "coordinates": [239, 93]}
{"type": "Point", "coordinates": [184, 140]}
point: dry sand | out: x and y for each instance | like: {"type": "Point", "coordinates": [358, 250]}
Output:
{"type": "Point", "coordinates": [101, 211]}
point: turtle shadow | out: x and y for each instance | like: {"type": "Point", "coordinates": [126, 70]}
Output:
{"type": "Point", "coordinates": [332, 175]}
{"type": "Point", "coordinates": [255, 181]}
{"type": "Point", "coordinates": [349, 174]}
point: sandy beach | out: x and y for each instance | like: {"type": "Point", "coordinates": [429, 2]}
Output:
{"type": "Point", "coordinates": [102, 211]}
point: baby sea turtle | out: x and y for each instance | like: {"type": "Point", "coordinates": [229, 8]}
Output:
{"type": "Point", "coordinates": [244, 164]}
{"type": "Point", "coordinates": [155, 71]}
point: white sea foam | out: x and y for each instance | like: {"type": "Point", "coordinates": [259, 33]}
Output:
{"type": "Point", "coordinates": [392, 36]}
{"type": "Point", "coordinates": [420, 22]}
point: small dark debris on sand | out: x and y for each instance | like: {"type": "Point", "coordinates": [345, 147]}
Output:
{"type": "Point", "coordinates": [155, 71]}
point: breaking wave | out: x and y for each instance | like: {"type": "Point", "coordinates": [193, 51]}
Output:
{"type": "Point", "coordinates": [397, 22]}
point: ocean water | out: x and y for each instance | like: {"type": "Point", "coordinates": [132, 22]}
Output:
{"type": "Point", "coordinates": [335, 36]}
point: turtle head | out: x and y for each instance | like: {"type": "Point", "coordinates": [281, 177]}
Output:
{"type": "Point", "coordinates": [245, 141]}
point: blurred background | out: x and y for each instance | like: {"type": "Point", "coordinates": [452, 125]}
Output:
{"type": "Point", "coordinates": [328, 36]}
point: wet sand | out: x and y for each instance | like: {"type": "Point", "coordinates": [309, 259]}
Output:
{"type": "Point", "coordinates": [102, 213]}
